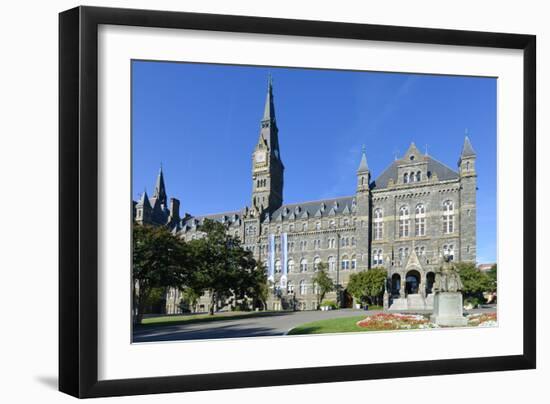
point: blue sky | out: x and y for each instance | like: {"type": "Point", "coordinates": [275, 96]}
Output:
{"type": "Point", "coordinates": [201, 122]}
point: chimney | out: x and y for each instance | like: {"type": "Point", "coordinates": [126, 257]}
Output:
{"type": "Point", "coordinates": [174, 209]}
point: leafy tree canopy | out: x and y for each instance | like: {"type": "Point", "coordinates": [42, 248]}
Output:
{"type": "Point", "coordinates": [160, 260]}
{"type": "Point", "coordinates": [475, 282]}
{"type": "Point", "coordinates": [367, 285]}
{"type": "Point", "coordinates": [222, 266]}
{"type": "Point", "coordinates": [323, 281]}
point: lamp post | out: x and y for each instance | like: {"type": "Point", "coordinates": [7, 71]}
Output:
{"type": "Point", "coordinates": [338, 270]}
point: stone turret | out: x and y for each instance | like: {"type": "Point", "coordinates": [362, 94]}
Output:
{"type": "Point", "coordinates": [467, 213]}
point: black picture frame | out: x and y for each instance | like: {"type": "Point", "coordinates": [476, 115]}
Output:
{"type": "Point", "coordinates": [78, 196]}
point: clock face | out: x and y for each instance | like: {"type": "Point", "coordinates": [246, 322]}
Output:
{"type": "Point", "coordinates": [260, 157]}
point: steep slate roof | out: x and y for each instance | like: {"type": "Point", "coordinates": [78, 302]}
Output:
{"type": "Point", "coordinates": [320, 208]}
{"type": "Point", "coordinates": [467, 149]}
{"type": "Point", "coordinates": [144, 201]}
{"type": "Point", "coordinates": [231, 217]}
{"type": "Point", "coordinates": [363, 166]}
{"type": "Point", "coordinates": [443, 172]}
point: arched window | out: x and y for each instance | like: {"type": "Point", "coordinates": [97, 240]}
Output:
{"type": "Point", "coordinates": [448, 217]}
{"type": "Point", "coordinates": [346, 222]}
{"type": "Point", "coordinates": [353, 241]}
{"type": "Point", "coordinates": [278, 266]}
{"type": "Point", "coordinates": [353, 262]}
{"type": "Point", "coordinates": [404, 221]}
{"type": "Point", "coordinates": [290, 227]}
{"type": "Point", "coordinates": [315, 288]}
{"type": "Point", "coordinates": [378, 224]}
{"type": "Point", "coordinates": [318, 226]}
{"type": "Point", "coordinates": [406, 178]}
{"type": "Point", "coordinates": [303, 287]}
{"type": "Point", "coordinates": [345, 263]}
{"type": "Point", "coordinates": [304, 227]}
{"type": "Point", "coordinates": [411, 176]}
{"type": "Point", "coordinates": [377, 257]}
{"type": "Point", "coordinates": [291, 265]}
{"type": "Point", "coordinates": [316, 262]}
{"type": "Point", "coordinates": [418, 176]}
{"type": "Point", "coordinates": [331, 263]}
{"type": "Point", "coordinates": [449, 251]}
{"type": "Point", "coordinates": [332, 224]}
{"type": "Point", "coordinates": [467, 166]}
{"type": "Point", "coordinates": [420, 220]}
{"type": "Point", "coordinates": [303, 265]}
{"type": "Point", "coordinates": [290, 287]}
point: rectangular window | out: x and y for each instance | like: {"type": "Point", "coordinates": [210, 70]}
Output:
{"type": "Point", "coordinates": [448, 224]}
{"type": "Point", "coordinates": [420, 226]}
{"type": "Point", "coordinates": [404, 225]}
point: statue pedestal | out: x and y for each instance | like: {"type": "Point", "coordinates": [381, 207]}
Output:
{"type": "Point", "coordinates": [448, 310]}
{"type": "Point", "coordinates": [386, 301]}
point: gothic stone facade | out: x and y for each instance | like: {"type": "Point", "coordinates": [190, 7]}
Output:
{"type": "Point", "coordinates": [404, 220]}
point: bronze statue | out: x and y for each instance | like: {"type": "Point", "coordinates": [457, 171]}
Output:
{"type": "Point", "coordinates": [447, 278]}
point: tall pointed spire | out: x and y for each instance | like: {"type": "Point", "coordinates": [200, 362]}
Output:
{"type": "Point", "coordinates": [269, 109]}
{"type": "Point", "coordinates": [363, 166]}
{"type": "Point", "coordinates": [269, 131]}
{"type": "Point", "coordinates": [160, 190]}
{"type": "Point", "coordinates": [467, 149]}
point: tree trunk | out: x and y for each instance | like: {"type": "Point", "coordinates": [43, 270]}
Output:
{"type": "Point", "coordinates": [143, 294]}
{"type": "Point", "coordinates": [212, 302]}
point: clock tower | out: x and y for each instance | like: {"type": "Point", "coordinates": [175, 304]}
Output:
{"type": "Point", "coordinates": [267, 167]}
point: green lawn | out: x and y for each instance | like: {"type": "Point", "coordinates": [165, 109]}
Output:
{"type": "Point", "coordinates": [200, 318]}
{"type": "Point", "coordinates": [345, 324]}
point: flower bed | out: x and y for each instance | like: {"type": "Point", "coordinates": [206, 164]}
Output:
{"type": "Point", "coordinates": [395, 321]}
{"type": "Point", "coordinates": [482, 320]}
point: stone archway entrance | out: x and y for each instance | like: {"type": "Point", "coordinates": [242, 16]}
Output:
{"type": "Point", "coordinates": [412, 282]}
{"type": "Point", "coordinates": [395, 284]}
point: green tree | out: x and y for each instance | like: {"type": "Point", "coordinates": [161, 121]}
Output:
{"type": "Point", "coordinates": [323, 281]}
{"type": "Point", "coordinates": [492, 274]}
{"type": "Point", "coordinates": [222, 267]}
{"type": "Point", "coordinates": [475, 282]}
{"type": "Point", "coordinates": [258, 288]}
{"type": "Point", "coordinates": [160, 260]}
{"type": "Point", "coordinates": [367, 285]}
{"type": "Point", "coordinates": [189, 299]}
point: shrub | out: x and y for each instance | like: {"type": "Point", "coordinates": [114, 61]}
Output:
{"type": "Point", "coordinates": [329, 303]}
{"type": "Point", "coordinates": [474, 301]}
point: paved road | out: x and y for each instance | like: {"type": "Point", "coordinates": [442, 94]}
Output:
{"type": "Point", "coordinates": [271, 324]}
